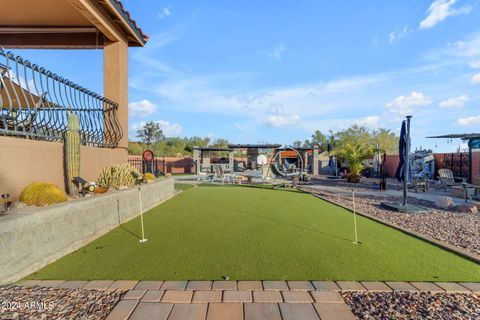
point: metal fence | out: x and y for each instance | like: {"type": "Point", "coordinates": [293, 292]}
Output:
{"type": "Point", "coordinates": [34, 103]}
{"type": "Point", "coordinates": [459, 163]}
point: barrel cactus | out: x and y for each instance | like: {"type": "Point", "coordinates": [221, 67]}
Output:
{"type": "Point", "coordinates": [42, 194]}
{"type": "Point", "coordinates": [149, 176]}
{"type": "Point", "coordinates": [117, 176]}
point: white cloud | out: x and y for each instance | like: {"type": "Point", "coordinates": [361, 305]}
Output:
{"type": "Point", "coordinates": [140, 109]}
{"type": "Point", "coordinates": [398, 34]}
{"type": "Point", "coordinates": [454, 103]}
{"type": "Point", "coordinates": [282, 120]}
{"type": "Point", "coordinates": [469, 121]}
{"type": "Point", "coordinates": [277, 53]}
{"type": "Point", "coordinates": [475, 64]}
{"type": "Point", "coordinates": [476, 79]}
{"type": "Point", "coordinates": [404, 105]}
{"type": "Point", "coordinates": [368, 121]}
{"type": "Point", "coordinates": [164, 13]}
{"type": "Point", "coordinates": [169, 129]}
{"type": "Point", "coordinates": [439, 10]}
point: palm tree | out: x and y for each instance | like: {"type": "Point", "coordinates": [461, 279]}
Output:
{"type": "Point", "coordinates": [352, 154]}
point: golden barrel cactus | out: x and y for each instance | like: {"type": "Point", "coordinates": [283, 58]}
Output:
{"type": "Point", "coordinates": [42, 194]}
{"type": "Point", "coordinates": [149, 176]}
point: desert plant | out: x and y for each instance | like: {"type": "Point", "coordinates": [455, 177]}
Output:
{"type": "Point", "coordinates": [72, 152]}
{"type": "Point", "coordinates": [149, 176]}
{"type": "Point", "coordinates": [123, 175]}
{"type": "Point", "coordinates": [352, 154]}
{"type": "Point", "coordinates": [42, 194]}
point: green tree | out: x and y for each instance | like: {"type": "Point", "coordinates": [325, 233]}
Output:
{"type": "Point", "coordinates": [297, 144]}
{"type": "Point", "coordinates": [219, 143]}
{"type": "Point", "coordinates": [387, 140]}
{"type": "Point", "coordinates": [150, 134]}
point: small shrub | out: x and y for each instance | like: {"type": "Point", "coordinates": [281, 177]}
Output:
{"type": "Point", "coordinates": [149, 176]}
{"type": "Point", "coordinates": [118, 176]}
{"type": "Point", "coordinates": [42, 194]}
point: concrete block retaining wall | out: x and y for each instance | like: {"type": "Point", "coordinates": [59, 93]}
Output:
{"type": "Point", "coordinates": [34, 237]}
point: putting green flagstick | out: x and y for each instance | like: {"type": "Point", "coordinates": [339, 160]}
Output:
{"type": "Point", "coordinates": [141, 217]}
{"type": "Point", "coordinates": [354, 217]}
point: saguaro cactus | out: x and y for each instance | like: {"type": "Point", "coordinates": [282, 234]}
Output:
{"type": "Point", "coordinates": [72, 152]}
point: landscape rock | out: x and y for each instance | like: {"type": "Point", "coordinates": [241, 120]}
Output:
{"type": "Point", "coordinates": [466, 208]}
{"type": "Point", "coordinates": [444, 203]}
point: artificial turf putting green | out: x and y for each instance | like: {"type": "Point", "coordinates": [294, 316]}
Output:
{"type": "Point", "coordinates": [253, 234]}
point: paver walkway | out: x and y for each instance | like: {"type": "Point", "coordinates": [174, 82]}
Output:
{"type": "Point", "coordinates": [243, 300]}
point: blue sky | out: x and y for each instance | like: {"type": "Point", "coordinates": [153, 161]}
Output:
{"type": "Point", "coordinates": [261, 71]}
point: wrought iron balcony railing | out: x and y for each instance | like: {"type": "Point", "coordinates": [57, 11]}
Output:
{"type": "Point", "coordinates": [34, 103]}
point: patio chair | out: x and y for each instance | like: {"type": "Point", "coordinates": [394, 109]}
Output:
{"type": "Point", "coordinates": [445, 176]}
{"type": "Point", "coordinates": [220, 175]}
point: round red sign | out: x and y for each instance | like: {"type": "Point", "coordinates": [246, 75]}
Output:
{"type": "Point", "coordinates": [148, 155]}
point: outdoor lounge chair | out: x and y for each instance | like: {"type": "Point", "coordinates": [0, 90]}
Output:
{"type": "Point", "coordinates": [220, 175]}
{"type": "Point", "coordinates": [445, 176]}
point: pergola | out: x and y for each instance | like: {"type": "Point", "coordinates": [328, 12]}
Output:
{"type": "Point", "coordinates": [473, 143]}
{"type": "Point", "coordinates": [78, 24]}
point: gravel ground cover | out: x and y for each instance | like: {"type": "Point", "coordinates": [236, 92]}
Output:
{"type": "Point", "coordinates": [407, 305]}
{"type": "Point", "coordinates": [458, 229]}
{"type": "Point", "coordinates": [17, 302]}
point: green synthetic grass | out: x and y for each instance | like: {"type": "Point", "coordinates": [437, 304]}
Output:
{"type": "Point", "coordinates": [253, 234]}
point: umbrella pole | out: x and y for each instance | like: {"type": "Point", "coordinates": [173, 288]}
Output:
{"type": "Point", "coordinates": [406, 164]}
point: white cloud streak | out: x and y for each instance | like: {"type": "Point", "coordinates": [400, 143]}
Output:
{"type": "Point", "coordinates": [454, 103]}
{"type": "Point", "coordinates": [439, 10]}
{"type": "Point", "coordinates": [469, 121]}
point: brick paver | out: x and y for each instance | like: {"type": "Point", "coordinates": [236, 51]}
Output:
{"type": "Point", "coordinates": [275, 285]}
{"type": "Point", "coordinates": [28, 283]}
{"type": "Point", "coordinates": [249, 285]}
{"type": "Point", "coordinates": [199, 285]}
{"type": "Point", "coordinates": [350, 286]}
{"type": "Point", "coordinates": [262, 311]}
{"type": "Point", "coordinates": [152, 296]}
{"type": "Point", "coordinates": [452, 287]}
{"type": "Point", "coordinates": [123, 309]}
{"type": "Point", "coordinates": [427, 286]}
{"type": "Point", "coordinates": [237, 296]}
{"type": "Point", "coordinates": [249, 300]}
{"type": "Point", "coordinates": [207, 296]}
{"type": "Point", "coordinates": [327, 296]}
{"type": "Point", "coordinates": [296, 297]}
{"type": "Point", "coordinates": [225, 311]}
{"type": "Point", "coordinates": [300, 285]}
{"type": "Point", "coordinates": [188, 311]}
{"type": "Point", "coordinates": [473, 286]}
{"type": "Point", "coordinates": [376, 286]}
{"type": "Point", "coordinates": [174, 285]}
{"type": "Point", "coordinates": [298, 311]}
{"type": "Point", "coordinates": [267, 296]}
{"type": "Point", "coordinates": [176, 296]}
{"type": "Point", "coordinates": [135, 294]}
{"type": "Point", "coordinates": [123, 285]}
{"type": "Point", "coordinates": [157, 311]}
{"type": "Point", "coordinates": [50, 283]}
{"type": "Point", "coordinates": [401, 286]}
{"type": "Point", "coordinates": [334, 311]}
{"type": "Point", "coordinates": [98, 284]}
{"type": "Point", "coordinates": [224, 285]}
{"type": "Point", "coordinates": [72, 284]}
{"type": "Point", "coordinates": [325, 285]}
{"type": "Point", "coordinates": [149, 285]}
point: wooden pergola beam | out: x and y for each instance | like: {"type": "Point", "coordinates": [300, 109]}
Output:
{"type": "Point", "coordinates": [52, 40]}
{"type": "Point", "coordinates": [99, 18]}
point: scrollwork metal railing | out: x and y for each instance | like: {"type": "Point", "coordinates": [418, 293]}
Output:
{"type": "Point", "coordinates": [34, 103]}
